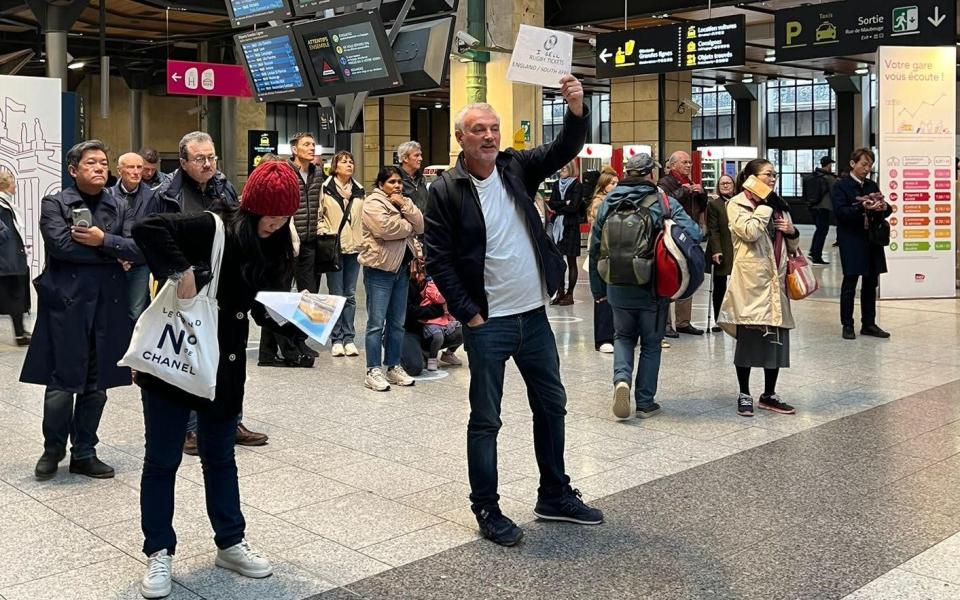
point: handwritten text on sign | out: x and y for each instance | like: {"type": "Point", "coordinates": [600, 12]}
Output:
{"type": "Point", "coordinates": [541, 56]}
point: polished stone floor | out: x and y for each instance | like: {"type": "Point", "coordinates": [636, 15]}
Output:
{"type": "Point", "coordinates": [360, 494]}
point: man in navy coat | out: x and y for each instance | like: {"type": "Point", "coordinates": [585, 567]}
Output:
{"type": "Point", "coordinates": [81, 330]}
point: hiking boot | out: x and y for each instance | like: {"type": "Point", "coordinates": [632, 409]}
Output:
{"type": "Point", "coordinates": [397, 376]}
{"type": "Point", "coordinates": [450, 359]}
{"type": "Point", "coordinates": [497, 528]}
{"type": "Point", "coordinates": [568, 507]}
{"type": "Point", "coordinates": [622, 405]}
{"type": "Point", "coordinates": [375, 380]}
{"type": "Point", "coordinates": [773, 403]}
{"type": "Point", "coordinates": [242, 558]}
{"type": "Point", "coordinates": [245, 437]}
{"type": "Point", "coordinates": [874, 331]}
{"type": "Point", "coordinates": [157, 580]}
{"type": "Point", "coordinates": [645, 412]}
{"type": "Point", "coordinates": [350, 349]}
{"type": "Point", "coordinates": [745, 405]}
{"type": "Point", "coordinates": [91, 467]}
{"type": "Point", "coordinates": [190, 444]}
{"type": "Point", "coordinates": [48, 464]}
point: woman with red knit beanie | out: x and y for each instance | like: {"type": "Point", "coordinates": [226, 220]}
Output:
{"type": "Point", "coordinates": [257, 255]}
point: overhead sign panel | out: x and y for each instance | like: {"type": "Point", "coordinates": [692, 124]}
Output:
{"type": "Point", "coordinates": [273, 64]}
{"type": "Point", "coordinates": [843, 28]}
{"type": "Point", "coordinates": [249, 12]}
{"type": "Point", "coordinates": [312, 7]}
{"type": "Point", "coordinates": [710, 44]}
{"type": "Point", "coordinates": [347, 54]}
{"type": "Point", "coordinates": [191, 78]}
{"type": "Point", "coordinates": [422, 52]}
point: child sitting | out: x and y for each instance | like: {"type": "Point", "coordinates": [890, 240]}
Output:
{"type": "Point", "coordinates": [443, 332]}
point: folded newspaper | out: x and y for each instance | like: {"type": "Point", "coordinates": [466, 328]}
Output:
{"type": "Point", "coordinates": [314, 314]}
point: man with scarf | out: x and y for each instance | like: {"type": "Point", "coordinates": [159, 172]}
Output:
{"type": "Point", "coordinates": [677, 184]}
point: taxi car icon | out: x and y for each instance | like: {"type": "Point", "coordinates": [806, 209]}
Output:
{"type": "Point", "coordinates": [826, 31]}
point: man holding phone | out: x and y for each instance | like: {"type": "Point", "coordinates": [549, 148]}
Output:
{"type": "Point", "coordinates": [78, 338]}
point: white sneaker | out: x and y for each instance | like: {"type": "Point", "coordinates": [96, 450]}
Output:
{"type": "Point", "coordinates": [622, 406]}
{"type": "Point", "coordinates": [243, 559]}
{"type": "Point", "coordinates": [432, 364]}
{"type": "Point", "coordinates": [606, 348]}
{"type": "Point", "coordinates": [375, 380]}
{"type": "Point", "coordinates": [351, 349]}
{"type": "Point", "coordinates": [156, 582]}
{"type": "Point", "coordinates": [337, 350]}
{"type": "Point", "coordinates": [397, 376]}
{"type": "Point", "coordinates": [664, 344]}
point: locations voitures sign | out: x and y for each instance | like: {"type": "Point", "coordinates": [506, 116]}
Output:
{"type": "Point", "coordinates": [713, 43]}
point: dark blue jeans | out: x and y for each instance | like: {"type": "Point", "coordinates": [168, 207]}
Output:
{"type": "Point", "coordinates": [646, 325]}
{"type": "Point", "coordinates": [138, 284]}
{"type": "Point", "coordinates": [821, 218]}
{"type": "Point", "coordinates": [166, 424]}
{"type": "Point", "coordinates": [386, 312]}
{"type": "Point", "coordinates": [62, 418]}
{"type": "Point", "coordinates": [528, 340]}
{"type": "Point", "coordinates": [344, 283]}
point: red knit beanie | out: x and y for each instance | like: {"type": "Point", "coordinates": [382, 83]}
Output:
{"type": "Point", "coordinates": [272, 190]}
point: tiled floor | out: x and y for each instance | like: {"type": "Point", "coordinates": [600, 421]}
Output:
{"type": "Point", "coordinates": [354, 483]}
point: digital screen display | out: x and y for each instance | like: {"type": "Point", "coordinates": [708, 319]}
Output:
{"type": "Point", "coordinates": [249, 12]}
{"type": "Point", "coordinates": [347, 54]}
{"type": "Point", "coordinates": [273, 64]}
{"type": "Point", "coordinates": [312, 7]}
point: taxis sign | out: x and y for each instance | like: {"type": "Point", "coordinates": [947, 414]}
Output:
{"type": "Point", "coordinates": [844, 28]}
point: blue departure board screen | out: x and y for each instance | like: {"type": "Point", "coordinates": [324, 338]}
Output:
{"type": "Point", "coordinates": [273, 64]}
{"type": "Point", "coordinates": [249, 12]}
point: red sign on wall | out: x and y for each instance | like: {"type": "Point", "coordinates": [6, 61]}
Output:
{"type": "Point", "coordinates": [192, 78]}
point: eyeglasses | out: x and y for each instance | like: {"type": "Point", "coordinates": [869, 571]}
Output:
{"type": "Point", "coordinates": [202, 160]}
{"type": "Point", "coordinates": [770, 174]}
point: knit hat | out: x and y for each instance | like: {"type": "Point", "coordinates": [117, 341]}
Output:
{"type": "Point", "coordinates": [272, 190]}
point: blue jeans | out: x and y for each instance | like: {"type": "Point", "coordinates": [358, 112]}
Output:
{"type": "Point", "coordinates": [166, 422]}
{"type": "Point", "coordinates": [386, 312]}
{"type": "Point", "coordinates": [648, 325]}
{"type": "Point", "coordinates": [528, 339]}
{"type": "Point", "coordinates": [138, 284]}
{"type": "Point", "coordinates": [821, 218]}
{"type": "Point", "coordinates": [63, 419]}
{"type": "Point", "coordinates": [344, 283]}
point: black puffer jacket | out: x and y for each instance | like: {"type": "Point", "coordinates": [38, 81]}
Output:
{"type": "Point", "coordinates": [310, 195]}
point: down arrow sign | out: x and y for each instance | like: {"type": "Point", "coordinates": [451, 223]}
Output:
{"type": "Point", "coordinates": [937, 18]}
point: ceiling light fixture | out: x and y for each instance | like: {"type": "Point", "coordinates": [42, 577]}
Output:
{"type": "Point", "coordinates": [862, 69]}
{"type": "Point", "coordinates": [747, 79]}
{"type": "Point", "coordinates": [438, 105]}
{"type": "Point", "coordinates": [77, 65]}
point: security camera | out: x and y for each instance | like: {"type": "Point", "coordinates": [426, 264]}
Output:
{"type": "Point", "coordinates": [465, 41]}
{"type": "Point", "coordinates": [685, 104]}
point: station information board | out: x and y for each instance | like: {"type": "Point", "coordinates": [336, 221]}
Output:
{"type": "Point", "coordinates": [347, 54]}
{"type": "Point", "coordinates": [273, 64]}
{"type": "Point", "coordinates": [312, 7]}
{"type": "Point", "coordinates": [249, 12]}
{"type": "Point", "coordinates": [709, 44]}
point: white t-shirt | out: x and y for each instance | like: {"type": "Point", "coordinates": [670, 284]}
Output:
{"type": "Point", "coordinates": [511, 274]}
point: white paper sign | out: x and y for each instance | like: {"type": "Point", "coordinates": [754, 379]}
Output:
{"type": "Point", "coordinates": [314, 314]}
{"type": "Point", "coordinates": [541, 56]}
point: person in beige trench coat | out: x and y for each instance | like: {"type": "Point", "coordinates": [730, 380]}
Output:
{"type": "Point", "coordinates": [756, 309]}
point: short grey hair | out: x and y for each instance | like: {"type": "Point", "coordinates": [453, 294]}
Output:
{"type": "Point", "coordinates": [406, 149]}
{"type": "Point", "coordinates": [198, 137]}
{"type": "Point", "coordinates": [76, 153]}
{"type": "Point", "coordinates": [482, 106]}
{"type": "Point", "coordinates": [674, 158]}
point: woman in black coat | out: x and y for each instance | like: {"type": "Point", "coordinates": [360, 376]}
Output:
{"type": "Point", "coordinates": [14, 273]}
{"type": "Point", "coordinates": [566, 201]}
{"type": "Point", "coordinates": [258, 255]}
{"type": "Point", "coordinates": [720, 241]}
{"type": "Point", "coordinates": [859, 257]}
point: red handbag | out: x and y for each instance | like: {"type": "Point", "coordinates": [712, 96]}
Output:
{"type": "Point", "coordinates": [801, 282]}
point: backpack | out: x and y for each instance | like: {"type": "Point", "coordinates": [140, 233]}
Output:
{"type": "Point", "coordinates": [679, 261]}
{"type": "Point", "coordinates": [627, 243]}
{"type": "Point", "coordinates": [814, 189]}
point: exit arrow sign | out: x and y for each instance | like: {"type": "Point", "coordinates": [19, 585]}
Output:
{"type": "Point", "coordinates": [937, 18]}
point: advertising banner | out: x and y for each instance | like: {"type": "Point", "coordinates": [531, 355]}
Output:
{"type": "Point", "coordinates": [917, 127]}
{"type": "Point", "coordinates": [31, 148]}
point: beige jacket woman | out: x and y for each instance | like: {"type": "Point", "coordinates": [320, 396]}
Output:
{"type": "Point", "coordinates": [331, 214]}
{"type": "Point", "coordinates": [388, 231]}
{"type": "Point", "coordinates": [756, 291]}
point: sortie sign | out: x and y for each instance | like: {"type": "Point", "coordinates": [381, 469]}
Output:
{"type": "Point", "coordinates": [189, 78]}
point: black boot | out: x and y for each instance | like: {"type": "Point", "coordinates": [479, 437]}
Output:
{"type": "Point", "coordinates": [48, 463]}
{"type": "Point", "coordinates": [91, 467]}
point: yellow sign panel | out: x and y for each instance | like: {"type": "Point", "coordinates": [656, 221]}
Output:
{"type": "Point", "coordinates": [916, 234]}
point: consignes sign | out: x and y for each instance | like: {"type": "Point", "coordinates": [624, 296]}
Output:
{"type": "Point", "coordinates": [839, 28]}
{"type": "Point", "coordinates": [683, 47]}
{"type": "Point", "coordinates": [191, 78]}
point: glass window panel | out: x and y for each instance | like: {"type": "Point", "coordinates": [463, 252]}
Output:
{"type": "Point", "coordinates": [788, 124]}
{"type": "Point", "coordinates": [821, 96]}
{"type": "Point", "coordinates": [604, 111]}
{"type": "Point", "coordinates": [804, 161]}
{"type": "Point", "coordinates": [710, 128]}
{"type": "Point", "coordinates": [773, 98]}
{"type": "Point", "coordinates": [558, 110]}
{"type": "Point", "coordinates": [605, 133]}
{"type": "Point", "coordinates": [697, 96]}
{"type": "Point", "coordinates": [724, 103]}
{"type": "Point", "coordinates": [805, 123]}
{"type": "Point", "coordinates": [804, 97]}
{"type": "Point", "coordinates": [788, 97]}
{"type": "Point", "coordinates": [725, 127]}
{"type": "Point", "coordinates": [773, 125]}
{"type": "Point", "coordinates": [710, 102]}
{"type": "Point", "coordinates": [698, 129]}
{"type": "Point", "coordinates": [822, 124]}
{"type": "Point", "coordinates": [789, 158]}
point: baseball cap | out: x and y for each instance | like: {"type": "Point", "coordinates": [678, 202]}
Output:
{"type": "Point", "coordinates": [642, 163]}
{"type": "Point", "coordinates": [826, 160]}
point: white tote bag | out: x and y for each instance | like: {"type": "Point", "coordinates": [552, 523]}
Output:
{"type": "Point", "coordinates": [175, 340]}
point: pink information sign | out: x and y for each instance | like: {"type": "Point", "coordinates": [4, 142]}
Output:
{"type": "Point", "coordinates": [191, 78]}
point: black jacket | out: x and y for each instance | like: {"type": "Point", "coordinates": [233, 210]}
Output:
{"type": "Point", "coordinates": [168, 198]}
{"type": "Point", "coordinates": [140, 201]}
{"type": "Point", "coordinates": [415, 188]}
{"type": "Point", "coordinates": [456, 238]}
{"type": "Point", "coordinates": [13, 255]}
{"type": "Point", "coordinates": [858, 256]}
{"type": "Point", "coordinates": [311, 194]}
{"type": "Point", "coordinates": [693, 203]}
{"type": "Point", "coordinates": [171, 244]}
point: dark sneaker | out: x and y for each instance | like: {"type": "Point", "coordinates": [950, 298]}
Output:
{"type": "Point", "coordinates": [91, 467]}
{"type": "Point", "coordinates": [690, 330]}
{"type": "Point", "coordinates": [497, 528]}
{"type": "Point", "coordinates": [773, 403]}
{"type": "Point", "coordinates": [48, 464]}
{"type": "Point", "coordinates": [270, 361]}
{"type": "Point", "coordinates": [23, 340]}
{"type": "Point", "coordinates": [745, 405]}
{"type": "Point", "coordinates": [568, 507]}
{"type": "Point", "coordinates": [671, 334]}
{"type": "Point", "coordinates": [819, 261]}
{"type": "Point", "coordinates": [645, 412]}
{"type": "Point", "coordinates": [848, 333]}
{"type": "Point", "coordinates": [874, 331]}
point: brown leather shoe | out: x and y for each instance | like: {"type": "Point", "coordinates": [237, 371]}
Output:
{"type": "Point", "coordinates": [245, 437]}
{"type": "Point", "coordinates": [190, 444]}
{"type": "Point", "coordinates": [566, 299]}
{"type": "Point", "coordinates": [556, 299]}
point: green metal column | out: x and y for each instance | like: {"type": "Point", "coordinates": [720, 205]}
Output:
{"type": "Point", "coordinates": [477, 67]}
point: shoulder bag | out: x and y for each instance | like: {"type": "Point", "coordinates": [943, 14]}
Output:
{"type": "Point", "coordinates": [328, 246]}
